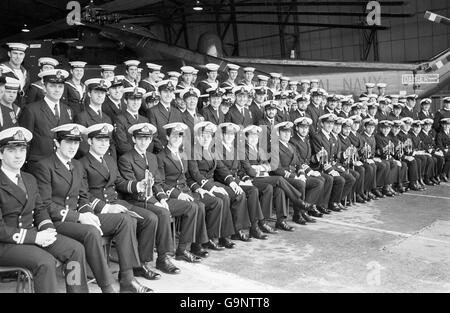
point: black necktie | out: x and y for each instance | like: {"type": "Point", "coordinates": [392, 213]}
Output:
{"type": "Point", "coordinates": [145, 159]}
{"type": "Point", "coordinates": [100, 114]}
{"type": "Point", "coordinates": [56, 111]}
{"type": "Point", "coordinates": [70, 165]}
{"type": "Point", "coordinates": [104, 164]}
{"type": "Point", "coordinates": [21, 184]}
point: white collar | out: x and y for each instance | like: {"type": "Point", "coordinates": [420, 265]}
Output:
{"type": "Point", "coordinates": [172, 150]}
{"type": "Point", "coordinates": [96, 156]}
{"type": "Point", "coordinates": [325, 133]}
{"type": "Point", "coordinates": [133, 114]}
{"type": "Point", "coordinates": [138, 151]}
{"type": "Point", "coordinates": [10, 174]}
{"type": "Point", "coordinates": [50, 103]}
{"type": "Point", "coordinates": [63, 161]}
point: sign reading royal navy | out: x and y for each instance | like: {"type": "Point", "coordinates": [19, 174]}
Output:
{"type": "Point", "coordinates": [410, 79]}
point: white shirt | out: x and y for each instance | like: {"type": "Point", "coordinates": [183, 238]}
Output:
{"type": "Point", "coordinates": [326, 135]}
{"type": "Point", "coordinates": [96, 156]}
{"type": "Point", "coordinates": [52, 104]}
{"type": "Point", "coordinates": [135, 115]}
{"type": "Point", "coordinates": [11, 175]}
{"type": "Point", "coordinates": [63, 161]}
{"type": "Point", "coordinates": [177, 154]}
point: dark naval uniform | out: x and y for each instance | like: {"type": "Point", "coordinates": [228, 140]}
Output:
{"type": "Point", "coordinates": [203, 173]}
{"type": "Point", "coordinates": [65, 196]}
{"type": "Point", "coordinates": [88, 118]}
{"type": "Point", "coordinates": [22, 216]}
{"type": "Point", "coordinates": [8, 117]}
{"type": "Point", "coordinates": [236, 116]}
{"type": "Point", "coordinates": [303, 149]}
{"type": "Point", "coordinates": [159, 116]}
{"type": "Point", "coordinates": [104, 180]}
{"type": "Point", "coordinates": [173, 173]}
{"type": "Point", "coordinates": [36, 92]}
{"type": "Point", "coordinates": [123, 140]}
{"type": "Point", "coordinates": [113, 110]}
{"type": "Point", "coordinates": [214, 116]}
{"type": "Point", "coordinates": [132, 166]}
{"type": "Point", "coordinates": [73, 97]}
{"type": "Point", "coordinates": [38, 118]}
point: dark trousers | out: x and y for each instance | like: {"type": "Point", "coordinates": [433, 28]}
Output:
{"type": "Point", "coordinates": [337, 189]}
{"type": "Point", "coordinates": [446, 168]}
{"type": "Point", "coordinates": [314, 189]}
{"type": "Point", "coordinates": [370, 179]}
{"type": "Point", "coordinates": [237, 204]}
{"type": "Point", "coordinates": [253, 206]}
{"type": "Point", "coordinates": [413, 170]}
{"type": "Point", "coordinates": [122, 228]}
{"type": "Point", "coordinates": [219, 222]}
{"type": "Point", "coordinates": [92, 241]}
{"type": "Point", "coordinates": [439, 164]}
{"type": "Point", "coordinates": [42, 263]}
{"type": "Point", "coordinates": [147, 232]}
{"type": "Point", "coordinates": [270, 195]}
{"type": "Point", "coordinates": [188, 213]}
{"type": "Point", "coordinates": [282, 189]}
{"type": "Point", "coordinates": [350, 181]}
{"type": "Point", "coordinates": [425, 164]}
{"type": "Point", "coordinates": [383, 168]}
{"type": "Point", "coordinates": [359, 172]}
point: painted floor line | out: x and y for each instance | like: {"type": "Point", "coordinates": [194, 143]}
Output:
{"type": "Point", "coordinates": [426, 196]}
{"type": "Point", "coordinates": [384, 231]}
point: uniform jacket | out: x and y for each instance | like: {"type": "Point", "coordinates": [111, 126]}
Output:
{"type": "Point", "coordinates": [158, 117]}
{"type": "Point", "coordinates": [211, 115]}
{"type": "Point", "coordinates": [173, 173]}
{"type": "Point", "coordinates": [35, 92]}
{"type": "Point", "coordinates": [21, 215]}
{"type": "Point", "coordinates": [8, 117]}
{"type": "Point", "coordinates": [123, 140]}
{"type": "Point", "coordinates": [236, 117]}
{"type": "Point", "coordinates": [73, 98]}
{"type": "Point", "coordinates": [64, 193]}
{"type": "Point", "coordinates": [38, 118]}
{"type": "Point", "coordinates": [257, 112]}
{"type": "Point", "coordinates": [111, 109]}
{"type": "Point", "coordinates": [103, 184]}
{"type": "Point", "coordinates": [204, 171]}
{"type": "Point", "coordinates": [132, 167]}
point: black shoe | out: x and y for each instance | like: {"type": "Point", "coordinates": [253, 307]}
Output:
{"type": "Point", "coordinates": [307, 218]}
{"type": "Point", "coordinates": [145, 272]}
{"type": "Point", "coordinates": [372, 196]}
{"type": "Point", "coordinates": [444, 178]}
{"type": "Point", "coordinates": [197, 250]}
{"type": "Point", "coordinates": [166, 266]}
{"type": "Point", "coordinates": [334, 207]}
{"type": "Point", "coordinates": [212, 245]}
{"type": "Point", "coordinates": [414, 187]}
{"type": "Point", "coordinates": [377, 193]}
{"type": "Point", "coordinates": [283, 226]}
{"type": "Point", "coordinates": [323, 210]}
{"type": "Point", "coordinates": [387, 193]}
{"type": "Point", "coordinates": [226, 243]}
{"type": "Point", "coordinates": [360, 199]}
{"type": "Point", "coordinates": [187, 256]}
{"type": "Point", "coordinates": [134, 287]}
{"type": "Point", "coordinates": [341, 206]}
{"type": "Point", "coordinates": [255, 232]}
{"type": "Point", "coordinates": [428, 182]}
{"type": "Point", "coordinates": [436, 180]}
{"type": "Point", "coordinates": [314, 212]}
{"type": "Point", "coordinates": [241, 236]}
{"type": "Point", "coordinates": [298, 219]}
{"type": "Point", "coordinates": [395, 193]}
{"type": "Point", "coordinates": [267, 229]}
